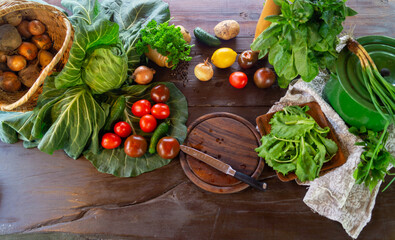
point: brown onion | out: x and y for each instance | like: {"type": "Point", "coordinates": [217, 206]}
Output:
{"type": "Point", "coordinates": [28, 50]}
{"type": "Point", "coordinates": [42, 41]}
{"type": "Point", "coordinates": [143, 75]}
{"type": "Point", "coordinates": [36, 27]}
{"type": "Point", "coordinates": [16, 62]}
{"type": "Point", "coordinates": [23, 29]}
{"type": "Point", "coordinates": [29, 75]}
{"type": "Point", "coordinates": [9, 82]}
{"type": "Point", "coordinates": [44, 58]}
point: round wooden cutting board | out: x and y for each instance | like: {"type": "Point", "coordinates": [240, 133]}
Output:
{"type": "Point", "coordinates": [226, 137]}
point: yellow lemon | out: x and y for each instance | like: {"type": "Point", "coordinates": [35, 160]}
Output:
{"type": "Point", "coordinates": [223, 57]}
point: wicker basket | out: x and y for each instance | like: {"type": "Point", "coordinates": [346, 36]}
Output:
{"type": "Point", "coordinates": [60, 31]}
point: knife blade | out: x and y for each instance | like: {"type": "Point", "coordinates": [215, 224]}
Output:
{"type": "Point", "coordinates": [223, 167]}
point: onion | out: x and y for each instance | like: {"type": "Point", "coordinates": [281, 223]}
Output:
{"type": "Point", "coordinates": [29, 75]}
{"type": "Point", "coordinates": [9, 82]}
{"type": "Point", "coordinates": [143, 75]}
{"type": "Point", "coordinates": [28, 50]}
{"type": "Point", "coordinates": [42, 41]}
{"type": "Point", "coordinates": [36, 27]}
{"type": "Point", "coordinates": [204, 71]}
{"type": "Point", "coordinates": [23, 29]}
{"type": "Point", "coordinates": [16, 62]}
{"type": "Point", "coordinates": [45, 57]}
{"type": "Point", "coordinates": [3, 57]}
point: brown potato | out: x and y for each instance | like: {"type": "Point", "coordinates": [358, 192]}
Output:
{"type": "Point", "coordinates": [227, 29]}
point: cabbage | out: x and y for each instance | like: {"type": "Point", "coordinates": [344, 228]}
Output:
{"type": "Point", "coordinates": [105, 68]}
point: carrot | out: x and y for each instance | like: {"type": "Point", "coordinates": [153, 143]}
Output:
{"type": "Point", "coordinates": [270, 8]}
{"type": "Point", "coordinates": [157, 58]}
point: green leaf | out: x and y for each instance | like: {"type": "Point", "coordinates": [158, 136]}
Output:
{"type": "Point", "coordinates": [83, 10]}
{"type": "Point", "coordinates": [306, 167]}
{"type": "Point", "coordinates": [132, 16]}
{"type": "Point", "coordinates": [266, 39]}
{"type": "Point", "coordinates": [15, 125]}
{"type": "Point", "coordinates": [115, 161]}
{"type": "Point", "coordinates": [73, 116]}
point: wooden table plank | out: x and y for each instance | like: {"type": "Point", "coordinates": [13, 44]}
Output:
{"type": "Point", "coordinates": [40, 192]}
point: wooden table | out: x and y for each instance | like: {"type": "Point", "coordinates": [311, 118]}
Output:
{"type": "Point", "coordinates": [69, 198]}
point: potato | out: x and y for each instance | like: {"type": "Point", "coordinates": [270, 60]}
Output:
{"type": "Point", "coordinates": [227, 29]}
{"type": "Point", "coordinates": [9, 38]}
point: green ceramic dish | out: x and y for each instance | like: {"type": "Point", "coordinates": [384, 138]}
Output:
{"type": "Point", "coordinates": [347, 94]}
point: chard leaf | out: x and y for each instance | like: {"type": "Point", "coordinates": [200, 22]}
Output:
{"type": "Point", "coordinates": [16, 125]}
{"type": "Point", "coordinates": [306, 167]}
{"type": "Point", "coordinates": [73, 116]}
{"type": "Point", "coordinates": [115, 161]}
{"type": "Point", "coordinates": [83, 10]}
{"type": "Point", "coordinates": [131, 16]}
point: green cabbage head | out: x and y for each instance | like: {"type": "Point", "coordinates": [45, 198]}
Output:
{"type": "Point", "coordinates": [105, 68]}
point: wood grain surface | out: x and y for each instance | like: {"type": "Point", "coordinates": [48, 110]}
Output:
{"type": "Point", "coordinates": [54, 197]}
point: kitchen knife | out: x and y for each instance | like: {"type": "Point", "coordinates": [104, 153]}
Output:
{"type": "Point", "coordinates": [223, 167]}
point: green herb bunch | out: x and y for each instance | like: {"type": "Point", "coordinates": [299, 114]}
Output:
{"type": "Point", "coordinates": [296, 143]}
{"type": "Point", "coordinates": [302, 38]}
{"type": "Point", "coordinates": [167, 40]}
{"type": "Point", "coordinates": [375, 159]}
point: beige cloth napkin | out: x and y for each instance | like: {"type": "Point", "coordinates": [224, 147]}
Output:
{"type": "Point", "coordinates": [335, 195]}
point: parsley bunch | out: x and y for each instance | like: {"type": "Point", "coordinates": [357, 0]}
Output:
{"type": "Point", "coordinates": [375, 159]}
{"type": "Point", "coordinates": [167, 40]}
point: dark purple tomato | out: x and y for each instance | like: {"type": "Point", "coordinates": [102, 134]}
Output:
{"type": "Point", "coordinates": [168, 147]}
{"type": "Point", "coordinates": [264, 77]}
{"type": "Point", "coordinates": [135, 146]}
{"type": "Point", "coordinates": [247, 59]}
{"type": "Point", "coordinates": [160, 93]}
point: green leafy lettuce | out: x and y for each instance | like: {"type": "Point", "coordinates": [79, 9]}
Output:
{"type": "Point", "coordinates": [296, 143]}
{"type": "Point", "coordinates": [302, 38]}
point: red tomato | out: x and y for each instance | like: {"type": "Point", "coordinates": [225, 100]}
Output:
{"type": "Point", "coordinates": [148, 123]}
{"type": "Point", "coordinates": [238, 79]}
{"type": "Point", "coordinates": [160, 111]}
{"type": "Point", "coordinates": [168, 147]}
{"type": "Point", "coordinates": [122, 129]}
{"type": "Point", "coordinates": [110, 140]}
{"type": "Point", "coordinates": [141, 108]}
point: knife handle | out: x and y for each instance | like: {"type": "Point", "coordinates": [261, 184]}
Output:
{"type": "Point", "coordinates": [250, 181]}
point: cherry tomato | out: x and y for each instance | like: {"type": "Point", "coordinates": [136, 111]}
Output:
{"type": "Point", "coordinates": [160, 93]}
{"type": "Point", "coordinates": [264, 77]}
{"type": "Point", "coordinates": [148, 123]}
{"type": "Point", "coordinates": [168, 147]}
{"type": "Point", "coordinates": [110, 141]}
{"type": "Point", "coordinates": [247, 59]}
{"type": "Point", "coordinates": [160, 111]}
{"type": "Point", "coordinates": [135, 146]}
{"type": "Point", "coordinates": [141, 108]}
{"type": "Point", "coordinates": [238, 79]}
{"type": "Point", "coordinates": [122, 129]}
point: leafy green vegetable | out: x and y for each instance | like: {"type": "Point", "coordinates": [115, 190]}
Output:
{"type": "Point", "coordinates": [132, 16]}
{"type": "Point", "coordinates": [375, 159]}
{"type": "Point", "coordinates": [115, 161]}
{"type": "Point", "coordinates": [296, 143]}
{"type": "Point", "coordinates": [69, 115]}
{"type": "Point", "coordinates": [105, 68]}
{"type": "Point", "coordinates": [167, 40]}
{"type": "Point", "coordinates": [303, 38]}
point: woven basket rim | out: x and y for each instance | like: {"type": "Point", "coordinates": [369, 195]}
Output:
{"type": "Point", "coordinates": [17, 5]}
